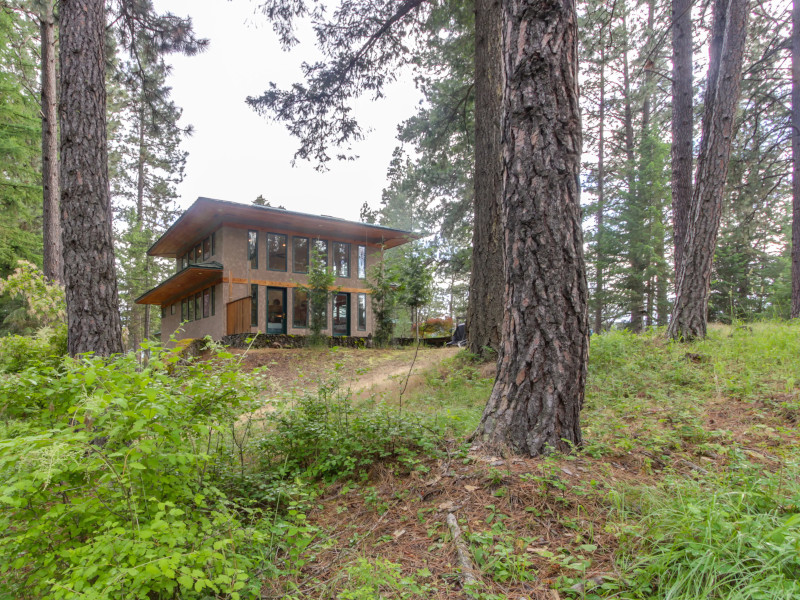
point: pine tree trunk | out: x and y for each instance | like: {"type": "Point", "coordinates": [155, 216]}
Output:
{"type": "Point", "coordinates": [601, 177]}
{"type": "Point", "coordinates": [89, 274]}
{"type": "Point", "coordinates": [537, 397]}
{"type": "Point", "coordinates": [796, 159]}
{"type": "Point", "coordinates": [51, 219]}
{"type": "Point", "coordinates": [690, 312]}
{"type": "Point", "coordinates": [682, 120]}
{"type": "Point", "coordinates": [485, 310]}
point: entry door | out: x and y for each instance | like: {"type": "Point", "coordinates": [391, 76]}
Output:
{"type": "Point", "coordinates": [341, 314]}
{"type": "Point", "coordinates": [276, 310]}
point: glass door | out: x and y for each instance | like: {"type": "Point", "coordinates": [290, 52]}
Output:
{"type": "Point", "coordinates": [276, 310]}
{"type": "Point", "coordinates": [341, 314]}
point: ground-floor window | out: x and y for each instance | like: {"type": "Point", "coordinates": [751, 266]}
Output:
{"type": "Point", "coordinates": [276, 310]}
{"type": "Point", "coordinates": [253, 305]}
{"type": "Point", "coordinates": [341, 314]}
{"type": "Point", "coordinates": [362, 312]}
{"type": "Point", "coordinates": [299, 308]}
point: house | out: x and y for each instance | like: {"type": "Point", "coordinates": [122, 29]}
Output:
{"type": "Point", "coordinates": [239, 269]}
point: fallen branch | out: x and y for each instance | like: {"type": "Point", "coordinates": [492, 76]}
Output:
{"type": "Point", "coordinates": [464, 561]}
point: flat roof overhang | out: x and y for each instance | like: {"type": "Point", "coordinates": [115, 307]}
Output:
{"type": "Point", "coordinates": [188, 280]}
{"type": "Point", "coordinates": [207, 215]}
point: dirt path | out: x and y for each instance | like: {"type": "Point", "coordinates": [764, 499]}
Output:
{"type": "Point", "coordinates": [366, 372]}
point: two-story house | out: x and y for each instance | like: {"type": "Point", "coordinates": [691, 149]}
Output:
{"type": "Point", "coordinates": [240, 268]}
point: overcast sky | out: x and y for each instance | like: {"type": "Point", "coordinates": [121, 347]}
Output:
{"type": "Point", "coordinates": [235, 154]}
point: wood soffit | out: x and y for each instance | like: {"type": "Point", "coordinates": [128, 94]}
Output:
{"type": "Point", "coordinates": [190, 279]}
{"type": "Point", "coordinates": [207, 215]}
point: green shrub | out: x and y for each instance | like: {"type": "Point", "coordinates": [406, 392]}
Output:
{"type": "Point", "coordinates": [107, 488]}
{"type": "Point", "coordinates": [323, 436]}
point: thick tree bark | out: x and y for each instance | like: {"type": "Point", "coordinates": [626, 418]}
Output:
{"type": "Point", "coordinates": [485, 309]}
{"type": "Point", "coordinates": [690, 312]}
{"type": "Point", "coordinates": [682, 120]}
{"type": "Point", "coordinates": [601, 178]}
{"type": "Point", "coordinates": [89, 274]}
{"type": "Point", "coordinates": [537, 397]}
{"type": "Point", "coordinates": [51, 221]}
{"type": "Point", "coordinates": [796, 159]}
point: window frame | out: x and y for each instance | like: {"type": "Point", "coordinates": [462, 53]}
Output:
{"type": "Point", "coordinates": [294, 253]}
{"type": "Point", "coordinates": [336, 263]}
{"type": "Point", "coordinates": [190, 308]}
{"type": "Point", "coordinates": [206, 248]}
{"type": "Point", "coordinates": [361, 273]}
{"type": "Point", "coordinates": [253, 305]}
{"type": "Point", "coordinates": [198, 306]}
{"type": "Point", "coordinates": [206, 303]}
{"type": "Point", "coordinates": [285, 255]}
{"type": "Point", "coordinates": [359, 297]}
{"type": "Point", "coordinates": [252, 249]}
{"type": "Point", "coordinates": [295, 292]}
{"type": "Point", "coordinates": [318, 241]}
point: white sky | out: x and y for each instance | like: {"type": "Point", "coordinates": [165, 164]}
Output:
{"type": "Point", "coordinates": [236, 154]}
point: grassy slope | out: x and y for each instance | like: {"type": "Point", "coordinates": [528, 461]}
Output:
{"type": "Point", "coordinates": [687, 487]}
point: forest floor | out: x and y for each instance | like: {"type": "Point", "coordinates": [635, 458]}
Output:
{"type": "Point", "coordinates": [687, 485]}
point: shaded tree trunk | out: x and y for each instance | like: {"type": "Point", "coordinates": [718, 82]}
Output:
{"type": "Point", "coordinates": [682, 120]}
{"type": "Point", "coordinates": [795, 160]}
{"type": "Point", "coordinates": [51, 221]}
{"type": "Point", "coordinates": [690, 312]}
{"type": "Point", "coordinates": [537, 397]}
{"type": "Point", "coordinates": [89, 273]}
{"type": "Point", "coordinates": [485, 310]}
{"type": "Point", "coordinates": [601, 176]}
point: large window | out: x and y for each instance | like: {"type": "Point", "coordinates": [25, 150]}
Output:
{"type": "Point", "coordinates": [207, 303]}
{"type": "Point", "coordinates": [198, 306]}
{"type": "Point", "coordinates": [362, 312]}
{"type": "Point", "coordinates": [191, 259]}
{"type": "Point", "coordinates": [276, 252]}
{"type": "Point", "coordinates": [184, 310]}
{"type": "Point", "coordinates": [213, 243]}
{"type": "Point", "coordinates": [362, 262]}
{"type": "Point", "coordinates": [184, 261]}
{"type": "Point", "coordinates": [300, 254]}
{"type": "Point", "coordinates": [190, 304]}
{"type": "Point", "coordinates": [341, 259]}
{"type": "Point", "coordinates": [207, 248]}
{"type": "Point", "coordinates": [252, 249]}
{"type": "Point", "coordinates": [198, 253]}
{"type": "Point", "coordinates": [321, 251]}
{"type": "Point", "coordinates": [254, 305]}
{"type": "Point", "coordinates": [299, 308]}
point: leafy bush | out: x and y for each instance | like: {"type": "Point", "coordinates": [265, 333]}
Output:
{"type": "Point", "coordinates": [107, 488]}
{"type": "Point", "coordinates": [324, 436]}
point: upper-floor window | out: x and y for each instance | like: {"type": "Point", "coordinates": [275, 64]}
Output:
{"type": "Point", "coordinates": [252, 249]}
{"type": "Point", "coordinates": [191, 260]}
{"type": "Point", "coordinates": [300, 254]}
{"type": "Point", "coordinates": [276, 252]}
{"type": "Point", "coordinates": [198, 253]}
{"type": "Point", "coordinates": [206, 248]}
{"type": "Point", "coordinates": [341, 259]}
{"type": "Point", "coordinates": [321, 251]}
{"type": "Point", "coordinates": [362, 262]}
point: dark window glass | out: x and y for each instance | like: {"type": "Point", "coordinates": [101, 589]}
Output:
{"type": "Point", "coordinates": [190, 257]}
{"type": "Point", "coordinates": [213, 300]}
{"type": "Point", "coordinates": [207, 248]}
{"type": "Point", "coordinates": [198, 253]}
{"type": "Point", "coordinates": [362, 312]}
{"type": "Point", "coordinates": [163, 311]}
{"type": "Point", "coordinates": [182, 263]}
{"type": "Point", "coordinates": [171, 309]}
{"type": "Point", "coordinates": [276, 252]}
{"type": "Point", "coordinates": [190, 314]}
{"type": "Point", "coordinates": [252, 249]}
{"type": "Point", "coordinates": [198, 299]}
{"type": "Point", "coordinates": [184, 314]}
{"type": "Point", "coordinates": [321, 251]}
{"type": "Point", "coordinates": [341, 259]}
{"type": "Point", "coordinates": [207, 303]}
{"type": "Point", "coordinates": [362, 262]}
{"type": "Point", "coordinates": [299, 308]}
{"type": "Point", "coordinates": [213, 243]}
{"type": "Point", "coordinates": [300, 255]}
{"type": "Point", "coordinates": [254, 305]}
